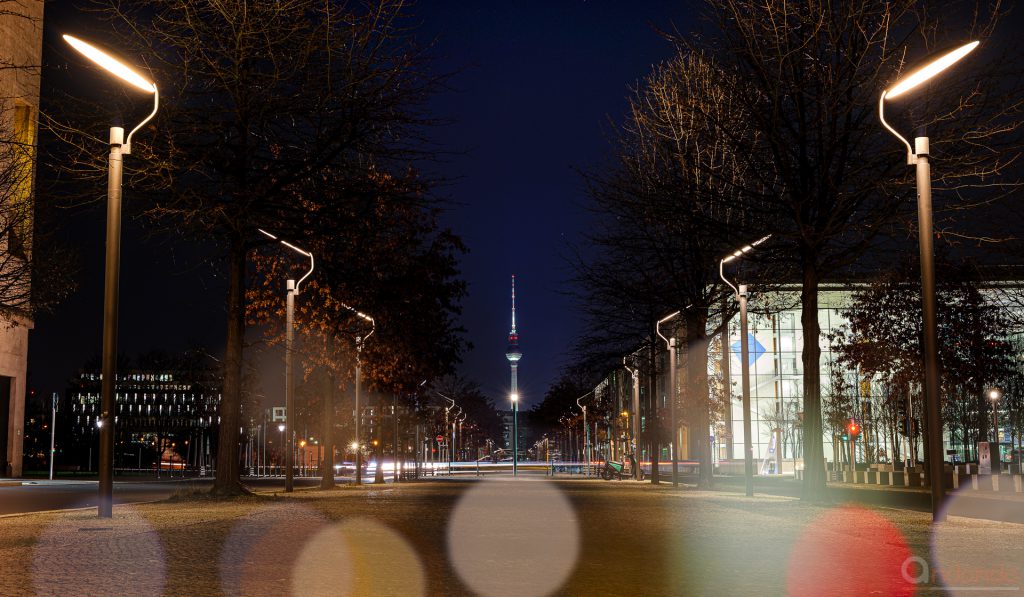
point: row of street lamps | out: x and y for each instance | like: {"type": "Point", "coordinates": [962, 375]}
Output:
{"type": "Point", "coordinates": [120, 146]}
{"type": "Point", "coordinates": [916, 156]}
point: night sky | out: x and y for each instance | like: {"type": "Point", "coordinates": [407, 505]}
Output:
{"type": "Point", "coordinates": [536, 85]}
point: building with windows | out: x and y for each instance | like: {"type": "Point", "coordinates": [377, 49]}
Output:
{"type": "Point", "coordinates": [775, 346]}
{"type": "Point", "coordinates": [21, 36]}
{"type": "Point", "coordinates": [171, 414]}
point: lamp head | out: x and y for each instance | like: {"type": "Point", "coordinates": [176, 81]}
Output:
{"type": "Point", "coordinates": [995, 394]}
{"type": "Point", "coordinates": [111, 65]}
{"type": "Point", "coordinates": [934, 65]}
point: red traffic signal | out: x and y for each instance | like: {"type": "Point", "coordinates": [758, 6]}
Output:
{"type": "Point", "coordinates": [852, 428]}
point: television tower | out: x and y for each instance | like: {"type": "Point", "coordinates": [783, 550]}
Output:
{"type": "Point", "coordinates": [513, 354]}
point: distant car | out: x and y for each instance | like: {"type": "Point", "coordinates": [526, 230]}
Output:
{"type": "Point", "coordinates": [344, 467]}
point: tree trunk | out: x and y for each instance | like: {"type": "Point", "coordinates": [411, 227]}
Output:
{"type": "Point", "coordinates": [327, 439]}
{"type": "Point", "coordinates": [814, 468]}
{"type": "Point", "coordinates": [227, 481]}
{"type": "Point", "coordinates": [697, 389]}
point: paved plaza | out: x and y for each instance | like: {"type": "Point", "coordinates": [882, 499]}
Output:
{"type": "Point", "coordinates": [505, 537]}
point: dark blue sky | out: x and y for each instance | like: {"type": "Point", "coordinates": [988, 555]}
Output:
{"type": "Point", "coordinates": [540, 83]}
{"type": "Point", "coordinates": [536, 85]}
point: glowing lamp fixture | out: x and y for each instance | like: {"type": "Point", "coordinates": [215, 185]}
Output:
{"type": "Point", "coordinates": [515, 397]}
{"type": "Point", "coordinates": [111, 65]}
{"type": "Point", "coordinates": [939, 63]}
{"type": "Point", "coordinates": [994, 394]}
{"type": "Point", "coordinates": [932, 67]}
{"type": "Point", "coordinates": [746, 249]}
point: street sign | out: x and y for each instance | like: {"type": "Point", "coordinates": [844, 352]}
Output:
{"type": "Point", "coordinates": [278, 414]}
{"type": "Point", "coordinates": [439, 438]}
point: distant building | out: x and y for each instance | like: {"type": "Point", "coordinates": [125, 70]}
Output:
{"type": "Point", "coordinates": [156, 411]}
{"type": "Point", "coordinates": [21, 37]}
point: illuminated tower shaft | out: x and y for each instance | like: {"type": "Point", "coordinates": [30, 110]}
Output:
{"type": "Point", "coordinates": [513, 354]}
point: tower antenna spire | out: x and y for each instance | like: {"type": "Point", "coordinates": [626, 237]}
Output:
{"type": "Point", "coordinates": [513, 353]}
{"type": "Point", "coordinates": [513, 333]}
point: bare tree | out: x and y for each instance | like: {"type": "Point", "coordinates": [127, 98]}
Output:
{"type": "Point", "coordinates": [817, 165]}
{"type": "Point", "coordinates": [262, 104]}
{"type": "Point", "coordinates": [666, 217]}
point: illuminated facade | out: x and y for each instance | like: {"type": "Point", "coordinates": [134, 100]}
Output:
{"type": "Point", "coordinates": [775, 348]}
{"type": "Point", "coordinates": [21, 36]}
{"type": "Point", "coordinates": [154, 409]}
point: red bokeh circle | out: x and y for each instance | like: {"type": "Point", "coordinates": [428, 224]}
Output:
{"type": "Point", "coordinates": [850, 550]}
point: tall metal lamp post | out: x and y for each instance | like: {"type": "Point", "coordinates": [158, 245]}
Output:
{"type": "Point", "coordinates": [515, 433]}
{"type": "Point", "coordinates": [670, 343]}
{"type": "Point", "coordinates": [918, 156]}
{"type": "Point", "coordinates": [120, 146]}
{"type": "Point", "coordinates": [291, 290]}
{"type": "Point", "coordinates": [447, 426]}
{"type": "Point", "coordinates": [360, 341]}
{"type": "Point", "coordinates": [635, 423]}
{"type": "Point", "coordinates": [994, 395]}
{"type": "Point", "coordinates": [741, 297]}
{"type": "Point", "coordinates": [586, 432]}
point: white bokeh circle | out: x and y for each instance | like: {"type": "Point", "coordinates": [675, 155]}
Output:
{"type": "Point", "coordinates": [513, 537]}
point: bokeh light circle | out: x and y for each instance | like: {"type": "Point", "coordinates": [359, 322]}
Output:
{"type": "Point", "coordinates": [973, 552]}
{"type": "Point", "coordinates": [260, 552]}
{"type": "Point", "coordinates": [513, 537]}
{"type": "Point", "coordinates": [358, 557]}
{"type": "Point", "coordinates": [849, 550]}
{"type": "Point", "coordinates": [80, 554]}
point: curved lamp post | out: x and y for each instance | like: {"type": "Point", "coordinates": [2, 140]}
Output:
{"type": "Point", "coordinates": [670, 344]}
{"type": "Point", "coordinates": [447, 427]}
{"type": "Point", "coordinates": [587, 452]}
{"type": "Point", "coordinates": [918, 156]}
{"type": "Point", "coordinates": [291, 290]}
{"type": "Point", "coordinates": [634, 429]}
{"type": "Point", "coordinates": [360, 340]}
{"type": "Point", "coordinates": [741, 297]}
{"type": "Point", "coordinates": [119, 146]}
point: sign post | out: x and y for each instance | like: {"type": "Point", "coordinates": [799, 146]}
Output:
{"type": "Point", "coordinates": [53, 432]}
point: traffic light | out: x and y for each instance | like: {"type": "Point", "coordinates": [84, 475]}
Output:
{"type": "Point", "coordinates": [852, 428]}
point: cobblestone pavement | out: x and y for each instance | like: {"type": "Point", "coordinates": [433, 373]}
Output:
{"type": "Point", "coordinates": [505, 537]}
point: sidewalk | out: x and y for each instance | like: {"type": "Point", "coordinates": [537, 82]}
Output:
{"type": "Point", "coordinates": [989, 505]}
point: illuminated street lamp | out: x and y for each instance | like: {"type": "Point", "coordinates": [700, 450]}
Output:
{"type": "Point", "coordinates": [515, 433]}
{"type": "Point", "coordinates": [586, 432]}
{"type": "Point", "coordinates": [360, 340]}
{"type": "Point", "coordinates": [120, 146]}
{"type": "Point", "coordinates": [634, 429]}
{"type": "Point", "coordinates": [670, 343]}
{"type": "Point", "coordinates": [281, 428]}
{"type": "Point", "coordinates": [291, 290]}
{"type": "Point", "coordinates": [918, 156]}
{"type": "Point", "coordinates": [447, 409]}
{"type": "Point", "coordinates": [741, 297]}
{"type": "Point", "coordinates": [994, 395]}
